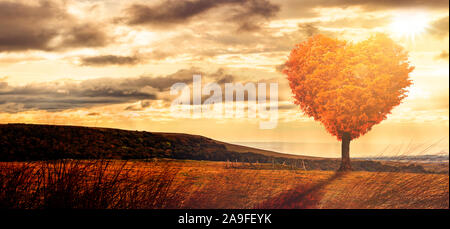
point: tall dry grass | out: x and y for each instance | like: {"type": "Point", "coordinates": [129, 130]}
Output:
{"type": "Point", "coordinates": [373, 190]}
{"type": "Point", "coordinates": [393, 190]}
{"type": "Point", "coordinates": [97, 184]}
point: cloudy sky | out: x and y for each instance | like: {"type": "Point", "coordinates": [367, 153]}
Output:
{"type": "Point", "coordinates": [111, 63]}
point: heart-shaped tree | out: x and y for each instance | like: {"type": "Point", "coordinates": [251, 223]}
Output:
{"type": "Point", "coordinates": [348, 87]}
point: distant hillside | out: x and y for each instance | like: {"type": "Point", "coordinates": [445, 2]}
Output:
{"type": "Point", "coordinates": [26, 142]}
{"type": "Point", "coordinates": [23, 142]}
{"type": "Point", "coordinates": [437, 158]}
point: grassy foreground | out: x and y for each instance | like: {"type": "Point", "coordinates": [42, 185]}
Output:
{"type": "Point", "coordinates": [116, 184]}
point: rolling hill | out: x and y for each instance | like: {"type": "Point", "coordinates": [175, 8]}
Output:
{"type": "Point", "coordinates": [30, 142]}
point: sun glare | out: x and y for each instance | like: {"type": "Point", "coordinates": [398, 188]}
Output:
{"type": "Point", "coordinates": [409, 25]}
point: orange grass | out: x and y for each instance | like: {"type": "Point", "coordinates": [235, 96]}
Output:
{"type": "Point", "coordinates": [201, 184]}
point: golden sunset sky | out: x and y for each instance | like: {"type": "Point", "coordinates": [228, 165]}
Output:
{"type": "Point", "coordinates": [112, 63]}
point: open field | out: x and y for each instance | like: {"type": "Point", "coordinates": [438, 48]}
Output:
{"type": "Point", "coordinates": [205, 184]}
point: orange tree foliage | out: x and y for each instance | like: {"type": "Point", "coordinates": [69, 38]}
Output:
{"type": "Point", "coordinates": [348, 87]}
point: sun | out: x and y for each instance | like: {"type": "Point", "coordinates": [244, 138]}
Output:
{"type": "Point", "coordinates": [409, 25]}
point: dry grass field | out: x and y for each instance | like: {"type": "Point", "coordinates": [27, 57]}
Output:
{"type": "Point", "coordinates": [114, 184]}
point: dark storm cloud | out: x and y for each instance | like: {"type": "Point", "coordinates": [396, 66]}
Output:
{"type": "Point", "coordinates": [19, 28]}
{"type": "Point", "coordinates": [439, 28]}
{"type": "Point", "coordinates": [93, 114]}
{"type": "Point", "coordinates": [163, 83]}
{"type": "Point", "coordinates": [110, 60]}
{"type": "Point", "coordinates": [248, 16]}
{"type": "Point", "coordinates": [170, 12]}
{"type": "Point", "coordinates": [221, 77]}
{"type": "Point", "coordinates": [135, 59]}
{"type": "Point", "coordinates": [45, 26]}
{"type": "Point", "coordinates": [309, 29]}
{"type": "Point", "coordinates": [85, 35]}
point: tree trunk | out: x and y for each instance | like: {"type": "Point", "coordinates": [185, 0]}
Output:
{"type": "Point", "coordinates": [345, 160]}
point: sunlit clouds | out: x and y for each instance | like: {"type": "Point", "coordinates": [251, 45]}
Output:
{"type": "Point", "coordinates": [111, 63]}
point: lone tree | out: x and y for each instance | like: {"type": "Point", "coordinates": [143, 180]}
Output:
{"type": "Point", "coordinates": [348, 87]}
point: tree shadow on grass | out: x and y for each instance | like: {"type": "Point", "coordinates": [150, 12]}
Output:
{"type": "Point", "coordinates": [304, 196]}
